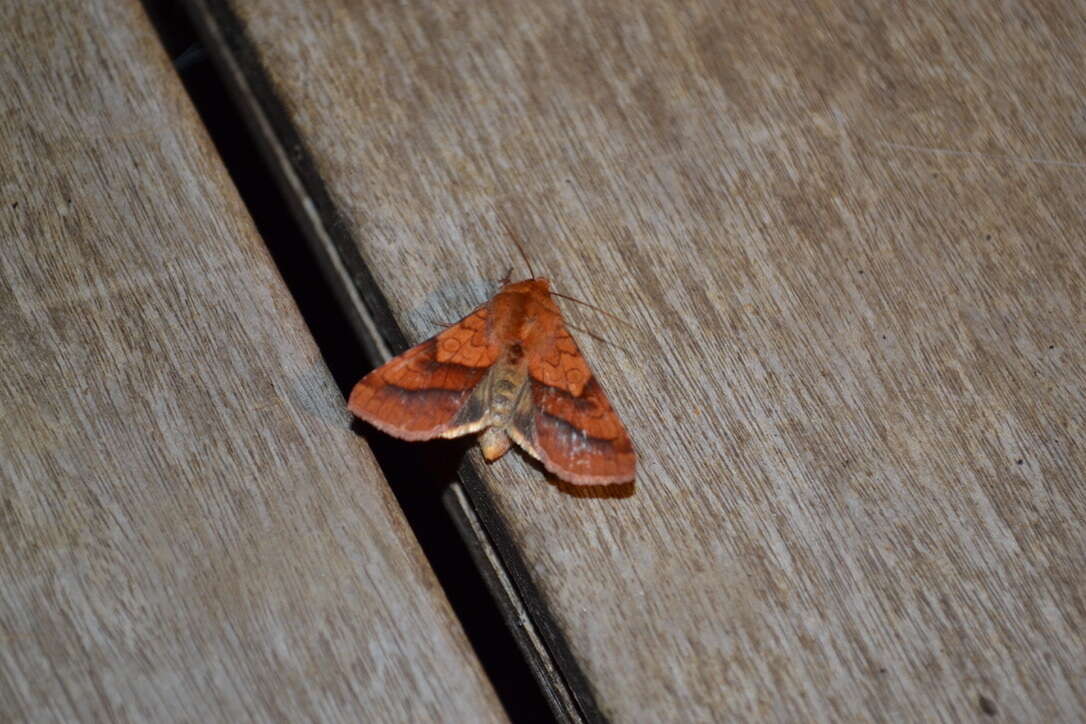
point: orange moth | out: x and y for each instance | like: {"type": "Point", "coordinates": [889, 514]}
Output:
{"type": "Point", "coordinates": [511, 371]}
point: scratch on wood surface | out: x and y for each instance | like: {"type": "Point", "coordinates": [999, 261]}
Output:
{"type": "Point", "coordinates": [979, 154]}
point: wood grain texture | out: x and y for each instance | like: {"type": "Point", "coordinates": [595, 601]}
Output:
{"type": "Point", "coordinates": [852, 243]}
{"type": "Point", "coordinates": [189, 530]}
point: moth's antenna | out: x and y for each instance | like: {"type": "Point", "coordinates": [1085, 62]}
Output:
{"type": "Point", "coordinates": [604, 312]}
{"type": "Point", "coordinates": [598, 338]}
{"type": "Point", "coordinates": [516, 241]}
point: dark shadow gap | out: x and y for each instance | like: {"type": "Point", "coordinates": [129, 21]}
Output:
{"type": "Point", "coordinates": [417, 476]}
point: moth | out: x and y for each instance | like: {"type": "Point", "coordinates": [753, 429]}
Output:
{"type": "Point", "coordinates": [510, 370]}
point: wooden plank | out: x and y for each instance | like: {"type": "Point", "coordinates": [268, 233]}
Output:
{"type": "Point", "coordinates": [190, 530]}
{"type": "Point", "coordinates": [851, 241]}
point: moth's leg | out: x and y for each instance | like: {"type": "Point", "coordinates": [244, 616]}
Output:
{"type": "Point", "coordinates": [521, 425]}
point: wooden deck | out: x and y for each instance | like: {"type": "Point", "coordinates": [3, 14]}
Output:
{"type": "Point", "coordinates": [852, 247]}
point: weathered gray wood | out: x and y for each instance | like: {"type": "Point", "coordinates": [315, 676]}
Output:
{"type": "Point", "coordinates": [851, 240]}
{"type": "Point", "coordinates": [190, 530]}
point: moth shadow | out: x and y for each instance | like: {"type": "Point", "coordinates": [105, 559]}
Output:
{"type": "Point", "coordinates": [598, 492]}
{"type": "Point", "coordinates": [423, 466]}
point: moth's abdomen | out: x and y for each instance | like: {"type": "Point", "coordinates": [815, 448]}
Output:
{"type": "Point", "coordinates": [507, 383]}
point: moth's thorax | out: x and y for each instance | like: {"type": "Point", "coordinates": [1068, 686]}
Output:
{"type": "Point", "coordinates": [521, 318]}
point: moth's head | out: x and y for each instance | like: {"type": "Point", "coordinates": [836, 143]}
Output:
{"type": "Point", "coordinates": [535, 285]}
